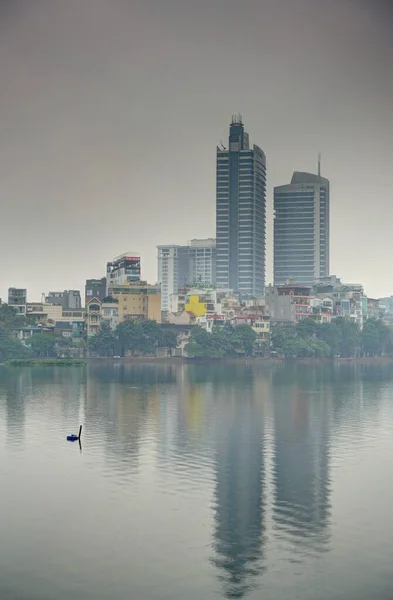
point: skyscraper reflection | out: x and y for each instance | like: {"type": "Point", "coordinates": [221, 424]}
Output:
{"type": "Point", "coordinates": [238, 505]}
{"type": "Point", "coordinates": [301, 510]}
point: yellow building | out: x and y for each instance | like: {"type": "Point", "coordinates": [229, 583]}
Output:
{"type": "Point", "coordinates": [137, 300]}
{"type": "Point", "coordinates": [201, 302]}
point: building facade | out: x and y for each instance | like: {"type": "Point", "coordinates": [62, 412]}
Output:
{"type": "Point", "coordinates": [67, 299]}
{"type": "Point", "coordinates": [289, 303]}
{"type": "Point", "coordinates": [241, 214]}
{"type": "Point", "coordinates": [137, 301]}
{"type": "Point", "coordinates": [301, 230]}
{"type": "Point", "coordinates": [181, 266]}
{"type": "Point", "coordinates": [17, 298]}
{"type": "Point", "coordinates": [95, 288]}
{"type": "Point", "coordinates": [123, 268]}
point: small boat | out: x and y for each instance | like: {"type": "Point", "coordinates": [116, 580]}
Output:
{"type": "Point", "coordinates": [73, 437]}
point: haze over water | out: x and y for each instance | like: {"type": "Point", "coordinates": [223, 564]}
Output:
{"type": "Point", "coordinates": [196, 482]}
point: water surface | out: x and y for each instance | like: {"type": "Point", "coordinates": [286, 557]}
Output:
{"type": "Point", "coordinates": [196, 482]}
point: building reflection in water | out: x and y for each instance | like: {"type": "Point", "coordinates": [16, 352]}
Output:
{"type": "Point", "coordinates": [14, 386]}
{"type": "Point", "coordinates": [302, 416]}
{"type": "Point", "coordinates": [240, 476]}
{"type": "Point", "coordinates": [123, 402]}
{"type": "Point", "coordinates": [34, 389]}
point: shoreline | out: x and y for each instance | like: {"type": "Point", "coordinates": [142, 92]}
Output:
{"type": "Point", "coordinates": [177, 360]}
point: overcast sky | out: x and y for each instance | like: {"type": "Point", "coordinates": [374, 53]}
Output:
{"type": "Point", "coordinates": [110, 112]}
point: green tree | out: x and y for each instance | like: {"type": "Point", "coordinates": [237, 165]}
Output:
{"type": "Point", "coordinates": [243, 339]}
{"type": "Point", "coordinates": [221, 342]}
{"type": "Point", "coordinates": [10, 347]}
{"type": "Point", "coordinates": [280, 335]}
{"type": "Point", "coordinates": [169, 339]}
{"type": "Point", "coordinates": [329, 334]}
{"type": "Point", "coordinates": [151, 336]}
{"type": "Point", "coordinates": [43, 344]}
{"type": "Point", "coordinates": [199, 344]}
{"type": "Point", "coordinates": [127, 334]}
{"type": "Point", "coordinates": [104, 342]}
{"type": "Point", "coordinates": [307, 328]}
{"type": "Point", "coordinates": [376, 338]}
{"type": "Point", "coordinates": [9, 318]}
{"type": "Point", "coordinates": [320, 348]}
{"type": "Point", "coordinates": [296, 347]}
{"type": "Point", "coordinates": [348, 337]}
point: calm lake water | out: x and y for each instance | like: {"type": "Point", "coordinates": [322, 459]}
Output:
{"type": "Point", "coordinates": [197, 482]}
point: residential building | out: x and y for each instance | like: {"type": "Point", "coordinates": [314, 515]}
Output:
{"type": "Point", "coordinates": [301, 230]}
{"type": "Point", "coordinates": [44, 314]}
{"type": "Point", "coordinates": [322, 309]}
{"type": "Point", "coordinates": [110, 312]}
{"type": "Point", "coordinates": [49, 314]}
{"type": "Point", "coordinates": [386, 305]}
{"type": "Point", "coordinates": [203, 307]}
{"type": "Point", "coordinates": [374, 309]}
{"type": "Point", "coordinates": [93, 317]}
{"type": "Point", "coordinates": [70, 329]}
{"type": "Point", "coordinates": [177, 302]}
{"type": "Point", "coordinates": [137, 301]}
{"type": "Point", "coordinates": [240, 214]}
{"type": "Point", "coordinates": [122, 269]}
{"type": "Point", "coordinates": [95, 288]}
{"type": "Point", "coordinates": [348, 299]}
{"type": "Point", "coordinates": [17, 298]}
{"type": "Point", "coordinates": [67, 299]}
{"type": "Point", "coordinates": [23, 334]}
{"type": "Point", "coordinates": [180, 266]}
{"type": "Point", "coordinates": [289, 303]}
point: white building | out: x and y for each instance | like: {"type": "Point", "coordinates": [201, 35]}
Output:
{"type": "Point", "coordinates": [123, 268]}
{"type": "Point", "coordinates": [181, 266]}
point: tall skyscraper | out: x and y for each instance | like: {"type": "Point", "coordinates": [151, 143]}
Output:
{"type": "Point", "coordinates": [301, 229]}
{"type": "Point", "coordinates": [241, 214]}
{"type": "Point", "coordinates": [179, 266]}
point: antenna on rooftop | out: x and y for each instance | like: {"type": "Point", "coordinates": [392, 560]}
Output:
{"type": "Point", "coordinates": [319, 164]}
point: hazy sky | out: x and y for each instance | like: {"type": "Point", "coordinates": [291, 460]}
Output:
{"type": "Point", "coordinates": [110, 112]}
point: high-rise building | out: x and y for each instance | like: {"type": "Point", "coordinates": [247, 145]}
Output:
{"type": "Point", "coordinates": [301, 230]}
{"type": "Point", "coordinates": [180, 266]}
{"type": "Point", "coordinates": [241, 214]}
{"type": "Point", "coordinates": [17, 298]}
{"type": "Point", "coordinates": [122, 269]}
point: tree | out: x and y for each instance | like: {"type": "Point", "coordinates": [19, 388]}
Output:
{"type": "Point", "coordinates": [348, 337]}
{"type": "Point", "coordinates": [169, 339]}
{"type": "Point", "coordinates": [307, 328]}
{"type": "Point", "coordinates": [9, 318]}
{"type": "Point", "coordinates": [43, 344]}
{"type": "Point", "coordinates": [329, 334]}
{"type": "Point", "coordinates": [222, 342]}
{"type": "Point", "coordinates": [151, 336]}
{"type": "Point", "coordinates": [376, 338]}
{"type": "Point", "coordinates": [104, 342]}
{"type": "Point", "coordinates": [11, 348]}
{"type": "Point", "coordinates": [199, 344]}
{"type": "Point", "coordinates": [243, 339]}
{"type": "Point", "coordinates": [279, 337]}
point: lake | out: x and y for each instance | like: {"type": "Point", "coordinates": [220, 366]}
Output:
{"type": "Point", "coordinates": [196, 482]}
